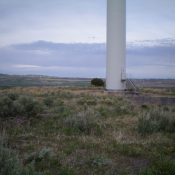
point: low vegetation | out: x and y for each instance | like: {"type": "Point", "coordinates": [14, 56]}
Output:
{"type": "Point", "coordinates": [11, 165]}
{"type": "Point", "coordinates": [97, 82]}
{"type": "Point", "coordinates": [156, 120]}
{"type": "Point", "coordinates": [160, 167]}
{"type": "Point", "coordinates": [74, 131]}
{"type": "Point", "coordinates": [13, 105]}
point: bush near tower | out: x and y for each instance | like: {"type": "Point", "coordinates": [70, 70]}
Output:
{"type": "Point", "coordinates": [97, 82]}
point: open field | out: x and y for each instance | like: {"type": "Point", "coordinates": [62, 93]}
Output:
{"type": "Point", "coordinates": [84, 131]}
{"type": "Point", "coordinates": [36, 80]}
{"type": "Point", "coordinates": [155, 83]}
{"type": "Point", "coordinates": [63, 126]}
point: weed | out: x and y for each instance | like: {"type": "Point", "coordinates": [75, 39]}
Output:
{"type": "Point", "coordinates": [87, 100]}
{"type": "Point", "coordinates": [83, 122]}
{"type": "Point", "coordinates": [66, 171]}
{"type": "Point", "coordinates": [12, 106]}
{"type": "Point", "coordinates": [30, 106]}
{"type": "Point", "coordinates": [11, 165]}
{"type": "Point", "coordinates": [48, 101]}
{"type": "Point", "coordinates": [44, 153]}
{"type": "Point", "coordinates": [61, 109]}
{"type": "Point", "coordinates": [163, 166]}
{"type": "Point", "coordinates": [130, 150]}
{"type": "Point", "coordinates": [90, 132]}
{"type": "Point", "coordinates": [144, 106]}
{"type": "Point", "coordinates": [156, 120]}
{"type": "Point", "coordinates": [13, 96]}
{"type": "Point", "coordinates": [116, 110]}
{"type": "Point", "coordinates": [101, 161]}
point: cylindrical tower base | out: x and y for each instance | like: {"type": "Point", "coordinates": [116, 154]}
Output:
{"type": "Point", "coordinates": [116, 44]}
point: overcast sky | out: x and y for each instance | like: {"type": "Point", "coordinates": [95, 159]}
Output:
{"type": "Point", "coordinates": [150, 29]}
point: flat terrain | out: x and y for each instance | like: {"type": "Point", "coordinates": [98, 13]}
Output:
{"type": "Point", "coordinates": [36, 80]}
{"type": "Point", "coordinates": [52, 126]}
{"type": "Point", "coordinates": [155, 83]}
{"type": "Point", "coordinates": [33, 80]}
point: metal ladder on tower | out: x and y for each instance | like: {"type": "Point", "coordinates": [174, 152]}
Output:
{"type": "Point", "coordinates": [131, 86]}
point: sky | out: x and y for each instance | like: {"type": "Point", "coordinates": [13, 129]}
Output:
{"type": "Point", "coordinates": [67, 38]}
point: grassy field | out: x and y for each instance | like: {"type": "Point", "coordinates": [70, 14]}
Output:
{"type": "Point", "coordinates": [75, 131]}
{"type": "Point", "coordinates": [40, 80]}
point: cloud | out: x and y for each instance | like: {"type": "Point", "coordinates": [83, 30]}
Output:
{"type": "Point", "coordinates": [81, 20]}
{"type": "Point", "coordinates": [77, 60]}
{"type": "Point", "coordinates": [151, 71]}
{"type": "Point", "coordinates": [25, 66]}
{"type": "Point", "coordinates": [155, 52]}
{"type": "Point", "coordinates": [150, 19]}
{"type": "Point", "coordinates": [55, 20]}
{"type": "Point", "coordinates": [144, 59]}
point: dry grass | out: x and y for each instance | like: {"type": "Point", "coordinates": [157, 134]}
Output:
{"type": "Point", "coordinates": [86, 131]}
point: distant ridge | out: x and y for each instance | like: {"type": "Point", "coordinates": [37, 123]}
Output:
{"type": "Point", "coordinates": [44, 76]}
{"type": "Point", "coordinates": [41, 80]}
{"type": "Point", "coordinates": [7, 80]}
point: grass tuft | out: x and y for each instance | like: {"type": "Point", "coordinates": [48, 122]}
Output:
{"type": "Point", "coordinates": [156, 120]}
{"type": "Point", "coordinates": [163, 166]}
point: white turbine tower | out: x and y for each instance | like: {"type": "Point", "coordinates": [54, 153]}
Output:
{"type": "Point", "coordinates": [116, 44]}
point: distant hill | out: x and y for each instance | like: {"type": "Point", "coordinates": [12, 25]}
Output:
{"type": "Point", "coordinates": [42, 80]}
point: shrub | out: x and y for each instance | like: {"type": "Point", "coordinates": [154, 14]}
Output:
{"type": "Point", "coordinates": [130, 150]}
{"type": "Point", "coordinates": [12, 106]}
{"type": "Point", "coordinates": [30, 106]}
{"type": "Point", "coordinates": [160, 167]}
{"type": "Point", "coordinates": [101, 161]}
{"type": "Point", "coordinates": [156, 120]}
{"type": "Point", "coordinates": [83, 122]}
{"type": "Point", "coordinates": [61, 109]}
{"type": "Point", "coordinates": [66, 171]}
{"type": "Point", "coordinates": [8, 162]}
{"type": "Point", "coordinates": [116, 108]}
{"type": "Point", "coordinates": [6, 106]}
{"type": "Point", "coordinates": [97, 82]}
{"type": "Point", "coordinates": [11, 165]}
{"type": "Point", "coordinates": [44, 153]}
{"type": "Point", "coordinates": [13, 96]}
{"type": "Point", "coordinates": [89, 101]}
{"type": "Point", "coordinates": [48, 101]}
